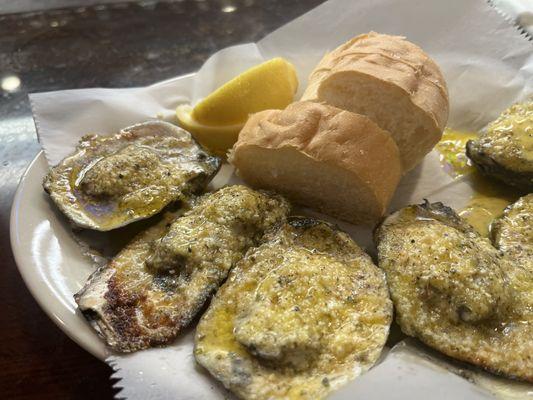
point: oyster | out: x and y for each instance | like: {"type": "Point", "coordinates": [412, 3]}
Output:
{"type": "Point", "coordinates": [156, 285]}
{"type": "Point", "coordinates": [111, 181]}
{"type": "Point", "coordinates": [505, 150]}
{"type": "Point", "coordinates": [456, 292]}
{"type": "Point", "coordinates": [512, 234]}
{"type": "Point", "coordinates": [299, 316]}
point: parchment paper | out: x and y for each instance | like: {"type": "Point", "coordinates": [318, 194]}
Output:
{"type": "Point", "coordinates": [487, 62]}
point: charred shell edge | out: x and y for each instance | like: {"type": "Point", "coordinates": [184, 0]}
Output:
{"type": "Point", "coordinates": [489, 167]}
{"type": "Point", "coordinates": [444, 214]}
{"type": "Point", "coordinates": [302, 222]}
{"type": "Point", "coordinates": [436, 211]}
{"type": "Point", "coordinates": [496, 224]}
{"type": "Point", "coordinates": [97, 284]}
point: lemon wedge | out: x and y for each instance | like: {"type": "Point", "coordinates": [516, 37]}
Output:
{"type": "Point", "coordinates": [216, 120]}
{"type": "Point", "coordinates": [217, 139]}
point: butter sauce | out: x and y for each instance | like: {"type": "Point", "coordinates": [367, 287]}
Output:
{"type": "Point", "coordinates": [490, 197]}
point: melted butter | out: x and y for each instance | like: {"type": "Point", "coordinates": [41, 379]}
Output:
{"type": "Point", "coordinates": [135, 203]}
{"type": "Point", "coordinates": [452, 152]}
{"type": "Point", "coordinates": [146, 201]}
{"type": "Point", "coordinates": [487, 203]}
{"type": "Point", "coordinates": [481, 211]}
{"type": "Point", "coordinates": [490, 198]}
{"type": "Point", "coordinates": [294, 306]}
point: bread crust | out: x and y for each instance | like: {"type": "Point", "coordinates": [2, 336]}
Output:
{"type": "Point", "coordinates": [392, 60]}
{"type": "Point", "coordinates": [328, 135]}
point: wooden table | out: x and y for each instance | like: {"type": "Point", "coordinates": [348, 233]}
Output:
{"type": "Point", "coordinates": [116, 45]}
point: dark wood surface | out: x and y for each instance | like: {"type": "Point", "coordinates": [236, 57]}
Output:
{"type": "Point", "coordinates": [115, 45]}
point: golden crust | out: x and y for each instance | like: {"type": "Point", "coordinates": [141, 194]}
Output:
{"type": "Point", "coordinates": [512, 235]}
{"type": "Point", "coordinates": [298, 317]}
{"type": "Point", "coordinates": [454, 291]}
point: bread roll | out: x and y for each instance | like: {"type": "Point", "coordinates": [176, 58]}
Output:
{"type": "Point", "coordinates": [393, 82]}
{"type": "Point", "coordinates": [334, 161]}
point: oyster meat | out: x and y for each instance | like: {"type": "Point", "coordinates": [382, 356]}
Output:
{"type": "Point", "coordinates": [111, 181]}
{"type": "Point", "coordinates": [156, 285]}
{"type": "Point", "coordinates": [512, 234]}
{"type": "Point", "coordinates": [299, 316]}
{"type": "Point", "coordinates": [505, 150]}
{"type": "Point", "coordinates": [456, 292]}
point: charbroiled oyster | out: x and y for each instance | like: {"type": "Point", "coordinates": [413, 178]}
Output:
{"type": "Point", "coordinates": [154, 287]}
{"type": "Point", "coordinates": [111, 181]}
{"type": "Point", "coordinates": [299, 316]}
{"type": "Point", "coordinates": [512, 234]}
{"type": "Point", "coordinates": [456, 292]}
{"type": "Point", "coordinates": [505, 150]}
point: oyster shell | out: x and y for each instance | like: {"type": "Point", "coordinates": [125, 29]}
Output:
{"type": "Point", "coordinates": [505, 150]}
{"type": "Point", "coordinates": [156, 285]}
{"type": "Point", "coordinates": [456, 292]}
{"type": "Point", "coordinates": [512, 232]}
{"type": "Point", "coordinates": [298, 316]}
{"type": "Point", "coordinates": [111, 181]}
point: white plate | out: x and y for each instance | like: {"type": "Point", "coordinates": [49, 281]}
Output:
{"type": "Point", "coordinates": [49, 259]}
{"type": "Point", "coordinates": [53, 266]}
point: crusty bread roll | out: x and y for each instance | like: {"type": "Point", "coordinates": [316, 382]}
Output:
{"type": "Point", "coordinates": [393, 82]}
{"type": "Point", "coordinates": [319, 156]}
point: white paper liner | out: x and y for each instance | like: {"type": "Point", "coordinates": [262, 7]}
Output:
{"type": "Point", "coordinates": [487, 62]}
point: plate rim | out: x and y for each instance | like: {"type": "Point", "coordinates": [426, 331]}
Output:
{"type": "Point", "coordinates": [24, 266]}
